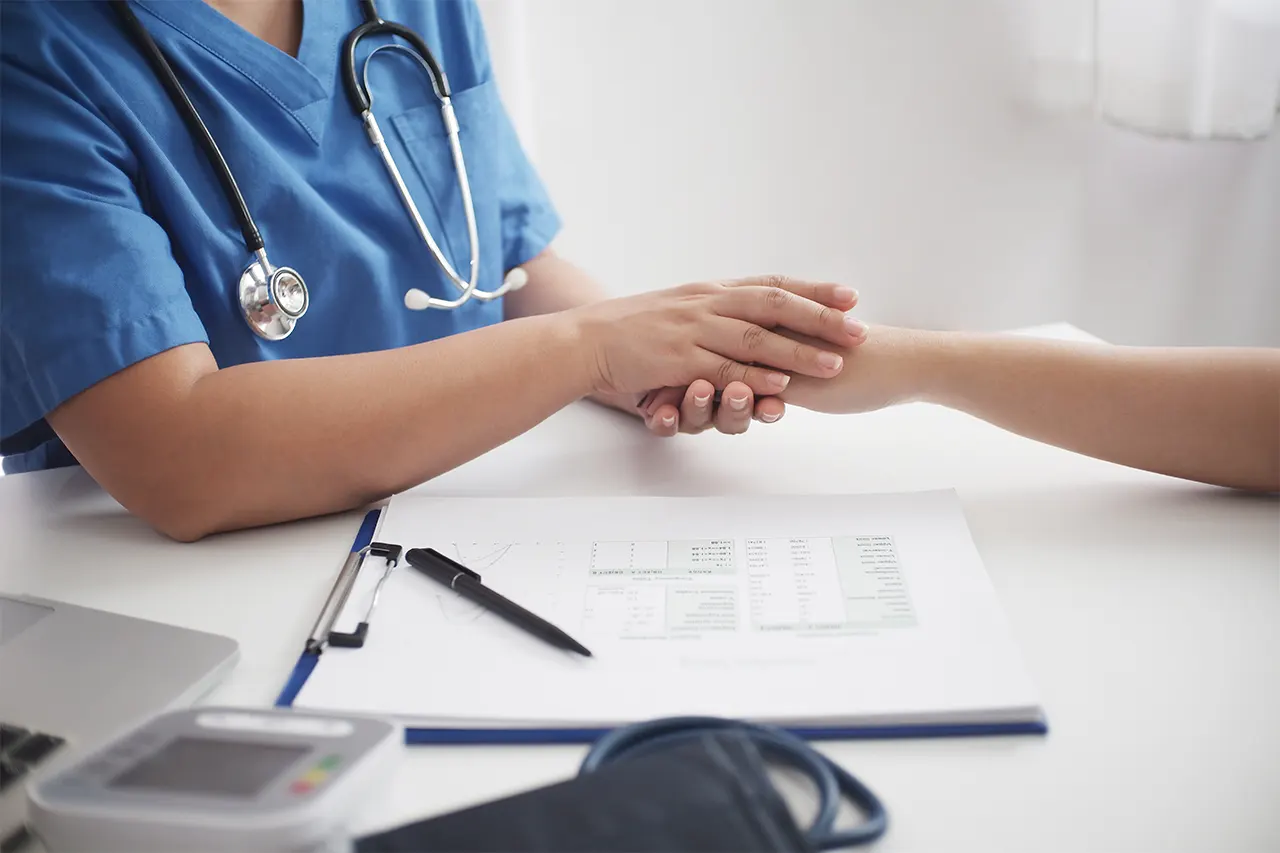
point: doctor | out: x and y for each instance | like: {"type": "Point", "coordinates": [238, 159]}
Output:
{"type": "Point", "coordinates": [127, 344]}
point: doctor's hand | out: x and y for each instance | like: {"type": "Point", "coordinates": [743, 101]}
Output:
{"type": "Point", "coordinates": [698, 407]}
{"type": "Point", "coordinates": [695, 409]}
{"type": "Point", "coordinates": [721, 333]}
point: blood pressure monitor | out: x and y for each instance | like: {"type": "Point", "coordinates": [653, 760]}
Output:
{"type": "Point", "coordinates": [218, 779]}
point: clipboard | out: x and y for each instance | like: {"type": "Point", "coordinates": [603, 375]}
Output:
{"type": "Point", "coordinates": [365, 546]}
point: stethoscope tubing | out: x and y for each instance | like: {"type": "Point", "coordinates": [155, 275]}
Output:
{"type": "Point", "coordinates": [832, 781]}
{"type": "Point", "coordinates": [155, 57]}
{"type": "Point", "coordinates": [264, 316]}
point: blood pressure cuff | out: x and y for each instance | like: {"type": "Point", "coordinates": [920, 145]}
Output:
{"type": "Point", "coordinates": [712, 795]}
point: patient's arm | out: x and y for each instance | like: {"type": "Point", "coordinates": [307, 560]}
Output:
{"type": "Point", "coordinates": [1206, 414]}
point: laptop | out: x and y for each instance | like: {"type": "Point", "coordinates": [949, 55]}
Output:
{"type": "Point", "coordinates": [73, 677]}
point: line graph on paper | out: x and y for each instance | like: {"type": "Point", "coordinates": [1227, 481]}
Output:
{"type": "Point", "coordinates": [607, 589]}
{"type": "Point", "coordinates": [479, 557]}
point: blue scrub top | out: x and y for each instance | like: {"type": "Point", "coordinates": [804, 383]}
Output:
{"type": "Point", "coordinates": [118, 242]}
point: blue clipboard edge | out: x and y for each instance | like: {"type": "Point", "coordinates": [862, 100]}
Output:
{"type": "Point", "coordinates": [307, 662]}
{"type": "Point", "coordinates": [494, 737]}
{"type": "Point", "coordinates": [514, 737]}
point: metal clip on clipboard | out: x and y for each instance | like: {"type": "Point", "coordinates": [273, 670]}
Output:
{"type": "Point", "coordinates": [322, 633]}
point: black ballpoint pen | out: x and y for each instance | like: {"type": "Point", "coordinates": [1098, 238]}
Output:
{"type": "Point", "coordinates": [467, 583]}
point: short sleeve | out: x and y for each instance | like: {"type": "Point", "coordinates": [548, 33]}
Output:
{"type": "Point", "coordinates": [529, 219]}
{"type": "Point", "coordinates": [90, 285]}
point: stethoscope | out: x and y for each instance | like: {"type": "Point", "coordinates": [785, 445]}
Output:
{"type": "Point", "coordinates": [832, 782]}
{"type": "Point", "coordinates": [273, 298]}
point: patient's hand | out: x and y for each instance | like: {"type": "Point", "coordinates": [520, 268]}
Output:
{"type": "Point", "coordinates": [866, 382]}
{"type": "Point", "coordinates": [884, 370]}
{"type": "Point", "coordinates": [694, 409]}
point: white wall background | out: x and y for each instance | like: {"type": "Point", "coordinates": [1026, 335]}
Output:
{"type": "Point", "coordinates": [889, 144]}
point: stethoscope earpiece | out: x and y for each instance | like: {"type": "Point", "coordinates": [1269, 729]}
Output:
{"type": "Point", "coordinates": [416, 300]}
{"type": "Point", "coordinates": [420, 300]}
{"type": "Point", "coordinates": [273, 299]}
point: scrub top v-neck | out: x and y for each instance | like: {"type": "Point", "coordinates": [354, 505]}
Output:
{"type": "Point", "coordinates": [119, 244]}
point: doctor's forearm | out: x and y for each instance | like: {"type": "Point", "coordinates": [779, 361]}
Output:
{"type": "Point", "coordinates": [274, 441]}
{"type": "Point", "coordinates": [370, 425]}
{"type": "Point", "coordinates": [556, 284]}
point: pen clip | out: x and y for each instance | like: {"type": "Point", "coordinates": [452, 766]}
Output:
{"type": "Point", "coordinates": [456, 566]}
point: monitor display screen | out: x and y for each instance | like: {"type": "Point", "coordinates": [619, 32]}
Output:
{"type": "Point", "coordinates": [192, 765]}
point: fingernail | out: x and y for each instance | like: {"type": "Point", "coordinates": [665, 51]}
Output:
{"type": "Point", "coordinates": [830, 360]}
{"type": "Point", "coordinates": [769, 417]}
{"type": "Point", "coordinates": [701, 402]}
{"type": "Point", "coordinates": [737, 403]}
{"type": "Point", "coordinates": [845, 294]}
{"type": "Point", "coordinates": [669, 420]}
{"type": "Point", "coordinates": [779, 380]}
{"type": "Point", "coordinates": [857, 328]}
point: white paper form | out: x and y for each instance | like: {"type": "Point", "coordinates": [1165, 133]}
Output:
{"type": "Point", "coordinates": [867, 609]}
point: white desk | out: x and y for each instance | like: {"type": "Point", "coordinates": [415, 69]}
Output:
{"type": "Point", "coordinates": [1148, 610]}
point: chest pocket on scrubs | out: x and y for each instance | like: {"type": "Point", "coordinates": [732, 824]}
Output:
{"type": "Point", "coordinates": [421, 132]}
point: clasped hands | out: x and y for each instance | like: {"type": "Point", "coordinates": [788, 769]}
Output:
{"type": "Point", "coordinates": [700, 406]}
{"type": "Point", "coordinates": [783, 328]}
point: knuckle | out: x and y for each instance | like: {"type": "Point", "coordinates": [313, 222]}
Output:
{"type": "Point", "coordinates": [692, 310]}
{"type": "Point", "coordinates": [699, 288]}
{"type": "Point", "coordinates": [827, 317]}
{"type": "Point", "coordinates": [684, 293]}
{"type": "Point", "coordinates": [726, 372]}
{"type": "Point", "coordinates": [776, 281]}
{"type": "Point", "coordinates": [682, 323]}
{"type": "Point", "coordinates": [753, 338]}
{"type": "Point", "coordinates": [776, 298]}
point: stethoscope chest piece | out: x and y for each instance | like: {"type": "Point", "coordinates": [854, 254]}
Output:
{"type": "Point", "coordinates": [272, 298]}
